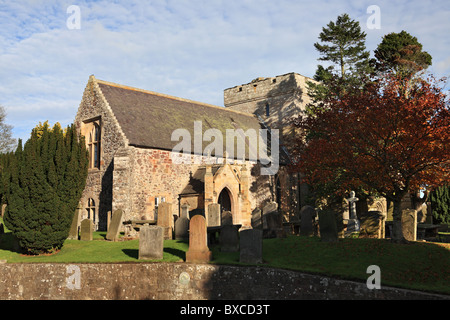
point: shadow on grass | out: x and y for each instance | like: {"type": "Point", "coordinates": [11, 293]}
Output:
{"type": "Point", "coordinates": [134, 253]}
{"type": "Point", "coordinates": [10, 243]}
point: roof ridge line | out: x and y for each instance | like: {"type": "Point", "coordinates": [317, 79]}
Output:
{"type": "Point", "coordinates": [113, 84]}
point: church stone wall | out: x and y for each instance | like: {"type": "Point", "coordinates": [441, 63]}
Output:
{"type": "Point", "coordinates": [93, 106]}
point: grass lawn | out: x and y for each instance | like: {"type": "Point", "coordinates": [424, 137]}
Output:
{"type": "Point", "coordinates": [419, 266]}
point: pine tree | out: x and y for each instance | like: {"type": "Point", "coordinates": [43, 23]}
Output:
{"type": "Point", "coordinates": [46, 179]}
{"type": "Point", "coordinates": [342, 43]}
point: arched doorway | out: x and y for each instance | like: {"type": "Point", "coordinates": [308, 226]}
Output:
{"type": "Point", "coordinates": [225, 206]}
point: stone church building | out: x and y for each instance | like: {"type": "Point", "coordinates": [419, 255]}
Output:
{"type": "Point", "coordinates": [129, 135]}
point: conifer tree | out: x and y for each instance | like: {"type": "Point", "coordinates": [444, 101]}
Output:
{"type": "Point", "coordinates": [46, 179]}
{"type": "Point", "coordinates": [440, 204]}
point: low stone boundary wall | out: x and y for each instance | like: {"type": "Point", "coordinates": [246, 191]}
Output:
{"type": "Point", "coordinates": [183, 281]}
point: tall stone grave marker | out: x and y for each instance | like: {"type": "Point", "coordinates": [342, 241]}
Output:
{"type": "Point", "coordinates": [307, 214]}
{"type": "Point", "coordinates": [229, 238]}
{"type": "Point", "coordinates": [257, 219]}
{"type": "Point", "coordinates": [227, 218]}
{"type": "Point", "coordinates": [250, 243]}
{"type": "Point", "coordinates": [73, 232]}
{"type": "Point", "coordinates": [86, 230]}
{"type": "Point", "coordinates": [182, 224]}
{"type": "Point", "coordinates": [114, 226]}
{"type": "Point", "coordinates": [327, 226]}
{"type": "Point", "coordinates": [409, 224]}
{"type": "Point", "coordinates": [165, 219]}
{"type": "Point", "coordinates": [151, 242]}
{"type": "Point", "coordinates": [214, 215]}
{"type": "Point", "coordinates": [198, 251]}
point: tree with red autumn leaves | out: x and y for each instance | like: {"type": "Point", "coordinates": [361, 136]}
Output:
{"type": "Point", "coordinates": [390, 138]}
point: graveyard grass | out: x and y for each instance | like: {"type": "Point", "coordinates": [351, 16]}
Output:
{"type": "Point", "coordinates": [418, 266]}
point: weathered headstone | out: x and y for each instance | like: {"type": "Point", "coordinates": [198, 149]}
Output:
{"type": "Point", "coordinates": [73, 233]}
{"type": "Point", "coordinates": [165, 219]}
{"type": "Point", "coordinates": [371, 225]}
{"type": "Point", "coordinates": [214, 215]}
{"type": "Point", "coordinates": [86, 230]}
{"type": "Point", "coordinates": [250, 243]}
{"type": "Point", "coordinates": [229, 238]}
{"type": "Point", "coordinates": [227, 218]}
{"type": "Point", "coordinates": [184, 211]}
{"type": "Point", "coordinates": [307, 214]}
{"type": "Point", "coordinates": [257, 219]}
{"type": "Point", "coordinates": [327, 226]}
{"type": "Point", "coordinates": [198, 251]}
{"type": "Point", "coordinates": [151, 242]}
{"type": "Point", "coordinates": [182, 228]}
{"type": "Point", "coordinates": [409, 224]}
{"type": "Point", "coordinates": [270, 219]}
{"type": "Point", "coordinates": [114, 226]}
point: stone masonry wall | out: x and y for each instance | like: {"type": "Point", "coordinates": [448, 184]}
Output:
{"type": "Point", "coordinates": [170, 281]}
{"type": "Point", "coordinates": [145, 174]}
{"type": "Point", "coordinates": [93, 106]}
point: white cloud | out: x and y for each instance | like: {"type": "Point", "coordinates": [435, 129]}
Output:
{"type": "Point", "coordinates": [193, 49]}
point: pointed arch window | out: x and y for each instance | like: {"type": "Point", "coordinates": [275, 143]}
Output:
{"type": "Point", "coordinates": [93, 145]}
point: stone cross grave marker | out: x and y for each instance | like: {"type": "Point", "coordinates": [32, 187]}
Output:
{"type": "Point", "coordinates": [250, 243]}
{"type": "Point", "coordinates": [214, 215]}
{"type": "Point", "coordinates": [86, 230]}
{"type": "Point", "coordinates": [151, 242]}
{"type": "Point", "coordinates": [114, 226]}
{"type": "Point", "coordinates": [307, 214]}
{"type": "Point", "coordinates": [353, 223]}
{"type": "Point", "coordinates": [198, 251]}
{"type": "Point", "coordinates": [165, 219]}
{"type": "Point", "coordinates": [327, 226]}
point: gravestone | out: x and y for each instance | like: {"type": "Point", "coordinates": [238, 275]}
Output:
{"type": "Point", "coordinates": [327, 226]}
{"type": "Point", "coordinates": [250, 243]}
{"type": "Point", "coordinates": [353, 224]}
{"type": "Point", "coordinates": [108, 219]}
{"type": "Point", "coordinates": [229, 238]}
{"type": "Point", "coordinates": [307, 214]}
{"type": "Point", "coordinates": [409, 224]}
{"type": "Point", "coordinates": [151, 242]}
{"type": "Point", "coordinates": [86, 230]}
{"type": "Point", "coordinates": [182, 228]}
{"type": "Point", "coordinates": [185, 211]}
{"type": "Point", "coordinates": [198, 251]}
{"type": "Point", "coordinates": [270, 218]}
{"type": "Point", "coordinates": [73, 232]}
{"type": "Point", "coordinates": [114, 226]}
{"type": "Point", "coordinates": [214, 215]}
{"type": "Point", "coordinates": [165, 219]}
{"type": "Point", "coordinates": [257, 219]}
{"type": "Point", "coordinates": [227, 218]}
{"type": "Point", "coordinates": [371, 225]}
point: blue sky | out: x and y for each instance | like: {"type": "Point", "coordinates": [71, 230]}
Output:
{"type": "Point", "coordinates": [193, 49]}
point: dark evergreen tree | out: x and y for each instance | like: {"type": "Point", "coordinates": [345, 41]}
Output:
{"type": "Point", "coordinates": [402, 54]}
{"type": "Point", "coordinates": [440, 204]}
{"type": "Point", "coordinates": [47, 179]}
